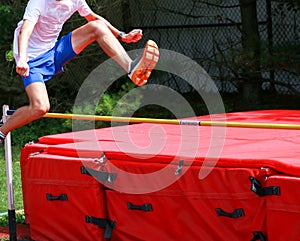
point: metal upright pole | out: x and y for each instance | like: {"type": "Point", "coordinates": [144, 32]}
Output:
{"type": "Point", "coordinates": [9, 181]}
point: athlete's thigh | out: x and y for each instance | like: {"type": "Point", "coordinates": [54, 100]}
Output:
{"type": "Point", "coordinates": [86, 34]}
{"type": "Point", "coordinates": [37, 94]}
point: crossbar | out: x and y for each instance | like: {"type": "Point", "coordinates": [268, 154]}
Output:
{"type": "Point", "coordinates": [169, 121]}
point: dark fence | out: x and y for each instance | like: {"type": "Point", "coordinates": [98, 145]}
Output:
{"type": "Point", "coordinates": [209, 32]}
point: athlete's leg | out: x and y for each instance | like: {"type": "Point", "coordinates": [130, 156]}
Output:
{"type": "Point", "coordinates": [139, 70]}
{"type": "Point", "coordinates": [99, 32]}
{"type": "Point", "coordinates": [37, 108]}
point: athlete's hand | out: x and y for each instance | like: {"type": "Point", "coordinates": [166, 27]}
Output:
{"type": "Point", "coordinates": [133, 36]}
{"type": "Point", "coordinates": [22, 68]}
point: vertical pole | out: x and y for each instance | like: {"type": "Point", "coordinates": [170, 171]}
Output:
{"type": "Point", "coordinates": [9, 180]}
{"type": "Point", "coordinates": [126, 15]}
{"type": "Point", "coordinates": [270, 39]}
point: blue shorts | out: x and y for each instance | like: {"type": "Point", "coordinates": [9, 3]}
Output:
{"type": "Point", "coordinates": [50, 63]}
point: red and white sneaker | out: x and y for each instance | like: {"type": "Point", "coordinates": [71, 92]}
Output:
{"type": "Point", "coordinates": [143, 65]}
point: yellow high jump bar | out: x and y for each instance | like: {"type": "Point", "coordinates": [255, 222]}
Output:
{"type": "Point", "coordinates": [173, 121]}
{"type": "Point", "coordinates": [169, 121]}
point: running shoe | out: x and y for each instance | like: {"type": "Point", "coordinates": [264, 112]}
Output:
{"type": "Point", "coordinates": [143, 65]}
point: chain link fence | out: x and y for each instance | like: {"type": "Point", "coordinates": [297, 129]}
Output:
{"type": "Point", "coordinates": [209, 32]}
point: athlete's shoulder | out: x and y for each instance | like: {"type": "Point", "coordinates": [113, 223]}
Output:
{"type": "Point", "coordinates": [83, 8]}
{"type": "Point", "coordinates": [81, 2]}
{"type": "Point", "coordinates": [34, 9]}
{"type": "Point", "coordinates": [36, 3]}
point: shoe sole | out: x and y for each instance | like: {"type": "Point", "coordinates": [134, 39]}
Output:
{"type": "Point", "coordinates": [143, 70]}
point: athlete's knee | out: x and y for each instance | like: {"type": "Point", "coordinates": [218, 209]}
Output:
{"type": "Point", "coordinates": [98, 27]}
{"type": "Point", "coordinates": [38, 111]}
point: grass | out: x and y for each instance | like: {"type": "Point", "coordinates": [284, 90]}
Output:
{"type": "Point", "coordinates": [17, 183]}
{"type": "Point", "coordinates": [19, 219]}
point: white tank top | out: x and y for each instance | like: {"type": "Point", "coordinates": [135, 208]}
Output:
{"type": "Point", "coordinates": [48, 17]}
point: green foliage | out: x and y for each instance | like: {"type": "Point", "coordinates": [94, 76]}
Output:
{"type": "Point", "coordinates": [20, 218]}
{"type": "Point", "coordinates": [9, 55]}
{"type": "Point", "coordinates": [7, 16]}
{"type": "Point", "coordinates": [10, 14]}
{"type": "Point", "coordinates": [115, 101]}
{"type": "Point", "coordinates": [37, 129]}
{"type": "Point", "coordinates": [18, 198]}
{"type": "Point", "coordinates": [125, 103]}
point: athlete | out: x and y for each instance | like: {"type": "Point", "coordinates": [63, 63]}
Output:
{"type": "Point", "coordinates": [40, 55]}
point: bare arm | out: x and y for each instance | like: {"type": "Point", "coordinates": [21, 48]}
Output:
{"type": "Point", "coordinates": [22, 67]}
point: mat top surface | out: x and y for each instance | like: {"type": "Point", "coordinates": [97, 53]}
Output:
{"type": "Point", "coordinates": [203, 145]}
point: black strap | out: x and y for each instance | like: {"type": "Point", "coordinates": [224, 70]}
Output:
{"type": "Point", "coordinates": [106, 224]}
{"type": "Point", "coordinates": [263, 191]}
{"type": "Point", "coordinates": [61, 197]}
{"type": "Point", "coordinates": [99, 175]}
{"type": "Point", "coordinates": [237, 213]}
{"type": "Point", "coordinates": [145, 207]}
{"type": "Point", "coordinates": [179, 168]}
{"type": "Point", "coordinates": [258, 236]}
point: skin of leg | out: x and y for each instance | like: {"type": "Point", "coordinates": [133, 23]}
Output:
{"type": "Point", "coordinates": [38, 106]}
{"type": "Point", "coordinates": [81, 38]}
{"type": "Point", "coordinates": [98, 31]}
